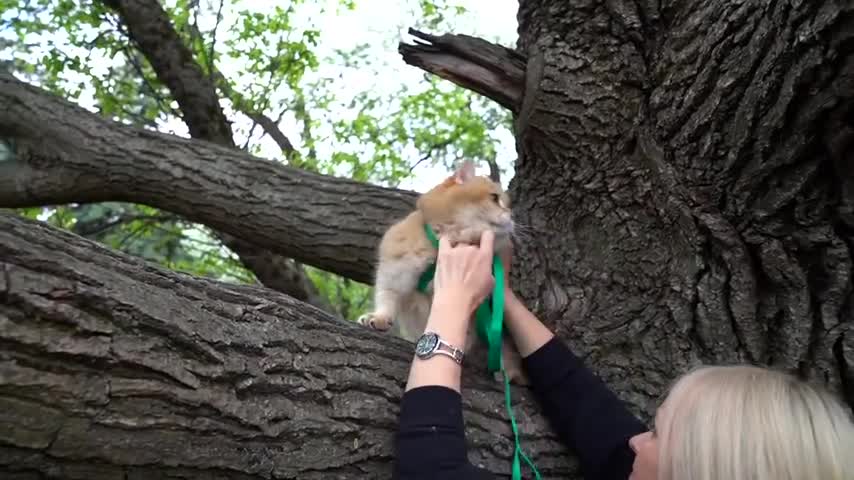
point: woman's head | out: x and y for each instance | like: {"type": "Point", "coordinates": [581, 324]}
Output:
{"type": "Point", "coordinates": [746, 423]}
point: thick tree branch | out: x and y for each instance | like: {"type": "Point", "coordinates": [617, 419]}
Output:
{"type": "Point", "coordinates": [116, 368]}
{"type": "Point", "coordinates": [150, 28]}
{"type": "Point", "coordinates": [61, 150]}
{"type": "Point", "coordinates": [491, 70]}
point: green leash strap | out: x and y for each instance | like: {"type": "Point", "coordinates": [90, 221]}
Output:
{"type": "Point", "coordinates": [489, 321]}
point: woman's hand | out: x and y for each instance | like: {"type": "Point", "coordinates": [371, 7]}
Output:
{"type": "Point", "coordinates": [464, 273]}
{"type": "Point", "coordinates": [462, 281]}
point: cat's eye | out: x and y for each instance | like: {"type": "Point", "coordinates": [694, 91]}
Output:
{"type": "Point", "coordinates": [496, 198]}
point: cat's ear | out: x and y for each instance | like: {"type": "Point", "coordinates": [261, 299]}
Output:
{"type": "Point", "coordinates": [465, 172]}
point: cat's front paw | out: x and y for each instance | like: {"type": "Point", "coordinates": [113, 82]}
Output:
{"type": "Point", "coordinates": [376, 321]}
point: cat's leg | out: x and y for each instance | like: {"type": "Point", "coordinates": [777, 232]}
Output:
{"type": "Point", "coordinates": [386, 305]}
{"type": "Point", "coordinates": [395, 281]}
{"type": "Point", "coordinates": [412, 317]}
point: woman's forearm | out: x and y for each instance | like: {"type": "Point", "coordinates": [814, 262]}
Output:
{"type": "Point", "coordinates": [448, 318]}
{"type": "Point", "coordinates": [430, 442]}
{"type": "Point", "coordinates": [529, 333]}
{"type": "Point", "coordinates": [431, 439]}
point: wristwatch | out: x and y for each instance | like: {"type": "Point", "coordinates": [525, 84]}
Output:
{"type": "Point", "coordinates": [429, 344]}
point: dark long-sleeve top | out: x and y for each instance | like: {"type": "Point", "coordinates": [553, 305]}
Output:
{"type": "Point", "coordinates": [586, 415]}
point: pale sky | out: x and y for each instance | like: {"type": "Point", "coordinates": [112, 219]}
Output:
{"type": "Point", "coordinates": [379, 23]}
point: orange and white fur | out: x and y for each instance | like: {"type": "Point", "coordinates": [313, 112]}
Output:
{"type": "Point", "coordinates": [461, 207]}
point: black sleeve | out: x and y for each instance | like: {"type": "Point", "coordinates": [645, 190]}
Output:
{"type": "Point", "coordinates": [430, 441]}
{"type": "Point", "coordinates": [586, 415]}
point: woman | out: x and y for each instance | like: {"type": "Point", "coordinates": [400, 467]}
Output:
{"type": "Point", "coordinates": [717, 423]}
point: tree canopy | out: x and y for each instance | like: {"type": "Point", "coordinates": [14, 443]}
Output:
{"type": "Point", "coordinates": [289, 91]}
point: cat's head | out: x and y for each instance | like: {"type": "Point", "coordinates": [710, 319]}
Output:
{"type": "Point", "coordinates": [464, 205]}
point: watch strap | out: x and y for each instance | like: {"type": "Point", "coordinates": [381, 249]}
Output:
{"type": "Point", "coordinates": [446, 348]}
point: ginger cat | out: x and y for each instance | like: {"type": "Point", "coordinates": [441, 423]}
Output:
{"type": "Point", "coordinates": [461, 207]}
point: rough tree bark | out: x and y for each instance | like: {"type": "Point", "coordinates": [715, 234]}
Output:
{"type": "Point", "coordinates": [113, 368]}
{"type": "Point", "coordinates": [681, 173]}
{"type": "Point", "coordinates": [684, 174]}
{"type": "Point", "coordinates": [149, 27]}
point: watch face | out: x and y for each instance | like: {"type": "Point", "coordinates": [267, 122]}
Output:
{"type": "Point", "coordinates": [426, 343]}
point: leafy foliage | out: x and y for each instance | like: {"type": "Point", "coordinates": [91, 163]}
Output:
{"type": "Point", "coordinates": [148, 233]}
{"type": "Point", "coordinates": [264, 60]}
{"type": "Point", "coordinates": [442, 124]}
{"type": "Point", "coordinates": [63, 45]}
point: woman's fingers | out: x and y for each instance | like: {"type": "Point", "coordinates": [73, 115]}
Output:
{"type": "Point", "coordinates": [487, 243]}
{"type": "Point", "coordinates": [444, 243]}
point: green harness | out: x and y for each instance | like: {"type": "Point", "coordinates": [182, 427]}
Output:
{"type": "Point", "coordinates": [489, 320]}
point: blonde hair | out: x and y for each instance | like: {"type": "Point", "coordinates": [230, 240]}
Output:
{"type": "Point", "coordinates": [750, 423]}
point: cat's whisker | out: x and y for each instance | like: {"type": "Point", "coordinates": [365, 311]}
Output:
{"type": "Point", "coordinates": [521, 231]}
{"type": "Point", "coordinates": [520, 236]}
{"type": "Point", "coordinates": [524, 232]}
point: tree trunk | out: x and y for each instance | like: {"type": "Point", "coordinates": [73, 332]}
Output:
{"type": "Point", "coordinates": [113, 368]}
{"type": "Point", "coordinates": [685, 174]}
